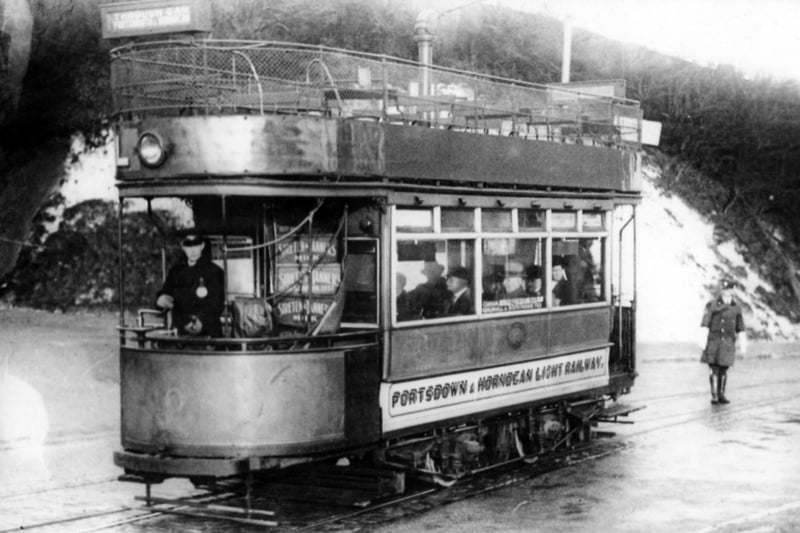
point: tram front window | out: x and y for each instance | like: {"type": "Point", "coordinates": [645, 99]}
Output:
{"type": "Point", "coordinates": [249, 267]}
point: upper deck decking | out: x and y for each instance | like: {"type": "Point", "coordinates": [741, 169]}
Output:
{"type": "Point", "coordinates": [234, 77]}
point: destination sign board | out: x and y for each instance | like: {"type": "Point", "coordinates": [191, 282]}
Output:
{"type": "Point", "coordinates": [153, 17]}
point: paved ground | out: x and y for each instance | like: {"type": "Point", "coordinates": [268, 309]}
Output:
{"type": "Point", "coordinates": [685, 465]}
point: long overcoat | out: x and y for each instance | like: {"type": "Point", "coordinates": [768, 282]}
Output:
{"type": "Point", "coordinates": [723, 321]}
{"type": "Point", "coordinates": [183, 284]}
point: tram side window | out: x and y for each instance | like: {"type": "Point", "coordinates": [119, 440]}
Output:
{"type": "Point", "coordinates": [434, 279]}
{"type": "Point", "coordinates": [512, 275]}
{"type": "Point", "coordinates": [361, 282]}
{"type": "Point", "coordinates": [577, 271]}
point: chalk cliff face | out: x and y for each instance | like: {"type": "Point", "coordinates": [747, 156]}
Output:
{"type": "Point", "coordinates": [679, 265]}
{"type": "Point", "coordinates": [16, 29]}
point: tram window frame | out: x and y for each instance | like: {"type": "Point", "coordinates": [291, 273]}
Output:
{"type": "Point", "coordinates": [557, 215]}
{"type": "Point", "coordinates": [510, 275]}
{"type": "Point", "coordinates": [355, 243]}
{"type": "Point", "coordinates": [434, 304]}
{"type": "Point", "coordinates": [568, 252]}
{"type": "Point", "coordinates": [546, 231]}
{"type": "Point", "coordinates": [453, 226]}
{"type": "Point", "coordinates": [408, 214]}
{"type": "Point", "coordinates": [497, 224]}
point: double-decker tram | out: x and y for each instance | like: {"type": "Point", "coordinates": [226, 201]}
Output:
{"type": "Point", "coordinates": [430, 268]}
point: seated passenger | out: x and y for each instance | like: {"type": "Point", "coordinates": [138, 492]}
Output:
{"type": "Point", "coordinates": [460, 301]}
{"type": "Point", "coordinates": [193, 290]}
{"type": "Point", "coordinates": [533, 282]}
{"type": "Point", "coordinates": [403, 301]}
{"type": "Point", "coordinates": [564, 289]}
{"type": "Point", "coordinates": [514, 285]}
{"type": "Point", "coordinates": [427, 299]}
{"type": "Point", "coordinates": [493, 289]}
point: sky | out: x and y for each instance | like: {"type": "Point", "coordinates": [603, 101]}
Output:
{"type": "Point", "coordinates": [757, 37]}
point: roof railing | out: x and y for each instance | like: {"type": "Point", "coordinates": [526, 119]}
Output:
{"type": "Point", "coordinates": [211, 77]}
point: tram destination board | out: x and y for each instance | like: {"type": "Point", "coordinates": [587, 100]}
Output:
{"type": "Point", "coordinates": [154, 17]}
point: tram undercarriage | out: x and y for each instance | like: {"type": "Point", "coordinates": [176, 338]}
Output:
{"type": "Point", "coordinates": [441, 455]}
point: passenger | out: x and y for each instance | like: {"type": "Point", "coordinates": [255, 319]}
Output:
{"type": "Point", "coordinates": [403, 302]}
{"type": "Point", "coordinates": [564, 290]}
{"type": "Point", "coordinates": [514, 285]}
{"type": "Point", "coordinates": [589, 271]}
{"type": "Point", "coordinates": [533, 283]}
{"type": "Point", "coordinates": [493, 289]}
{"type": "Point", "coordinates": [427, 299]}
{"type": "Point", "coordinates": [460, 301]}
{"type": "Point", "coordinates": [193, 290]}
{"type": "Point", "coordinates": [724, 321]}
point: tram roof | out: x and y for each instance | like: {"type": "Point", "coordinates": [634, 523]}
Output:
{"type": "Point", "coordinates": [216, 77]}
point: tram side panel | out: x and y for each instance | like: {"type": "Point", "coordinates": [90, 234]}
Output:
{"type": "Point", "coordinates": [453, 347]}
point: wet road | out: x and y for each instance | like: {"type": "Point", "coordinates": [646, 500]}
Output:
{"type": "Point", "coordinates": [685, 465]}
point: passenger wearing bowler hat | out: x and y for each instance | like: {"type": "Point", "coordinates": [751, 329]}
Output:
{"type": "Point", "coordinates": [724, 321]}
{"type": "Point", "coordinates": [193, 290]}
{"type": "Point", "coordinates": [460, 301]}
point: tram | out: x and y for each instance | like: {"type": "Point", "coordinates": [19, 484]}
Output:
{"type": "Point", "coordinates": [351, 199]}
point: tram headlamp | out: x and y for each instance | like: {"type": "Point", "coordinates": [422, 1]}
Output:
{"type": "Point", "coordinates": [151, 150]}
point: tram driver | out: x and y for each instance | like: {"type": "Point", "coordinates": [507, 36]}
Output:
{"type": "Point", "coordinates": [193, 290]}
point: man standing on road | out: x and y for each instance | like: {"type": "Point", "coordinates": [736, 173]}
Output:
{"type": "Point", "coordinates": [723, 319]}
{"type": "Point", "coordinates": [193, 291]}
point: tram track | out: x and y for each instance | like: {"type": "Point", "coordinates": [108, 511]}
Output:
{"type": "Point", "coordinates": [101, 480]}
{"type": "Point", "coordinates": [427, 499]}
{"type": "Point", "coordinates": [74, 520]}
{"type": "Point", "coordinates": [506, 476]}
{"type": "Point", "coordinates": [120, 516]}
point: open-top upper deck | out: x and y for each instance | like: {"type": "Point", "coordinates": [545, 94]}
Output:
{"type": "Point", "coordinates": [266, 109]}
{"type": "Point", "coordinates": [223, 77]}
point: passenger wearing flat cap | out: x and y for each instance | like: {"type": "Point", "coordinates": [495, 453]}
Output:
{"type": "Point", "coordinates": [460, 301]}
{"type": "Point", "coordinates": [193, 290]}
{"type": "Point", "coordinates": [726, 338]}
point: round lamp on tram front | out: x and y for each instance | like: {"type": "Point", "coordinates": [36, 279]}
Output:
{"type": "Point", "coordinates": [151, 150]}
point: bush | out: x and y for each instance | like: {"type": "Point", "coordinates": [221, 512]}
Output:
{"type": "Point", "coordinates": [78, 265]}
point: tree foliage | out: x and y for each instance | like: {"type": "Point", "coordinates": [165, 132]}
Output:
{"type": "Point", "coordinates": [77, 265]}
